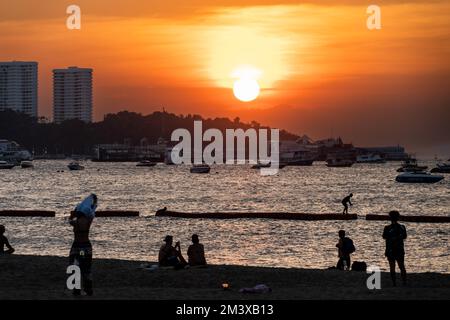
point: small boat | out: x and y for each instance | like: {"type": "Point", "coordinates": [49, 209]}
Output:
{"type": "Point", "coordinates": [6, 165]}
{"type": "Point", "coordinates": [260, 165]}
{"type": "Point", "coordinates": [339, 163]}
{"type": "Point", "coordinates": [75, 166]}
{"type": "Point", "coordinates": [442, 168]}
{"type": "Point", "coordinates": [26, 164]}
{"type": "Point", "coordinates": [200, 168]}
{"type": "Point", "coordinates": [370, 158]}
{"type": "Point", "coordinates": [418, 177]}
{"type": "Point", "coordinates": [145, 163]}
{"type": "Point", "coordinates": [297, 158]}
{"type": "Point", "coordinates": [411, 165]}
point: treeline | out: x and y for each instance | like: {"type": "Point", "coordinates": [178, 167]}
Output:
{"type": "Point", "coordinates": [77, 137]}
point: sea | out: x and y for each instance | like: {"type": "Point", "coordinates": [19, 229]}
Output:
{"type": "Point", "coordinates": [253, 242]}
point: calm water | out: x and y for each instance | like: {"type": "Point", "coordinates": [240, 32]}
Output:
{"type": "Point", "coordinates": [307, 244]}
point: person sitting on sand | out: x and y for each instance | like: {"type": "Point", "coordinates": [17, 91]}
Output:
{"type": "Point", "coordinates": [395, 234]}
{"type": "Point", "coordinates": [345, 203]}
{"type": "Point", "coordinates": [4, 242]}
{"type": "Point", "coordinates": [170, 256]}
{"type": "Point", "coordinates": [196, 252]}
{"type": "Point", "coordinates": [81, 250]}
{"type": "Point", "coordinates": [345, 249]}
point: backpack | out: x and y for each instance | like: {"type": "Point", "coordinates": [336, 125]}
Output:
{"type": "Point", "coordinates": [348, 247]}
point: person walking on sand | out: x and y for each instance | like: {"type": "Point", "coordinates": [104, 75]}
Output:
{"type": "Point", "coordinates": [345, 249]}
{"type": "Point", "coordinates": [170, 256]}
{"type": "Point", "coordinates": [4, 242]}
{"type": "Point", "coordinates": [345, 202]}
{"type": "Point", "coordinates": [196, 252]}
{"type": "Point", "coordinates": [81, 250]}
{"type": "Point", "coordinates": [395, 234]}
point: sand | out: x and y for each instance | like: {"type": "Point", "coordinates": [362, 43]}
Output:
{"type": "Point", "coordinates": [44, 277]}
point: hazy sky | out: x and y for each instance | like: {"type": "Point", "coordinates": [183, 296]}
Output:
{"type": "Point", "coordinates": [322, 72]}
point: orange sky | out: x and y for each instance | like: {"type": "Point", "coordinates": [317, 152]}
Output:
{"type": "Point", "coordinates": [322, 71]}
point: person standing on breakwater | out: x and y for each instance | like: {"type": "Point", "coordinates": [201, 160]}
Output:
{"type": "Point", "coordinates": [345, 249]}
{"type": "Point", "coordinates": [4, 242]}
{"type": "Point", "coordinates": [81, 251]}
{"type": "Point", "coordinates": [170, 256]}
{"type": "Point", "coordinates": [196, 252]}
{"type": "Point", "coordinates": [345, 202]}
{"type": "Point", "coordinates": [395, 234]}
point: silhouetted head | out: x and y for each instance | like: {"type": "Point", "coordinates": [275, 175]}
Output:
{"type": "Point", "coordinates": [351, 195]}
{"type": "Point", "coordinates": [168, 239]}
{"type": "Point", "coordinates": [394, 215]}
{"type": "Point", "coordinates": [341, 233]}
{"type": "Point", "coordinates": [195, 238]}
{"type": "Point", "coordinates": [2, 229]}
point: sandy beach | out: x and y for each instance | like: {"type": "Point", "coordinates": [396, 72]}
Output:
{"type": "Point", "coordinates": [44, 277]}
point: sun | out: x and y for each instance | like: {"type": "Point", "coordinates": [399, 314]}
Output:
{"type": "Point", "coordinates": [246, 87]}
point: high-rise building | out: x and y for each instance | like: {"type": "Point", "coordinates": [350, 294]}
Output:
{"type": "Point", "coordinates": [19, 87]}
{"type": "Point", "coordinates": [72, 94]}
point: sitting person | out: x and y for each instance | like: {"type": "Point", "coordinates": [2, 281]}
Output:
{"type": "Point", "coordinates": [4, 242]}
{"type": "Point", "coordinates": [196, 252]}
{"type": "Point", "coordinates": [345, 249]}
{"type": "Point", "coordinates": [170, 255]}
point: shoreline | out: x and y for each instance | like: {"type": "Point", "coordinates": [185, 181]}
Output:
{"type": "Point", "coordinates": [44, 277]}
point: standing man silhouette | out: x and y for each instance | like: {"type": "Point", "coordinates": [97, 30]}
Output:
{"type": "Point", "coordinates": [345, 202]}
{"type": "Point", "coordinates": [395, 234]}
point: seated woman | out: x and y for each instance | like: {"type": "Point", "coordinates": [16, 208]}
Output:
{"type": "Point", "coordinates": [196, 252]}
{"type": "Point", "coordinates": [4, 242]}
{"type": "Point", "coordinates": [170, 256]}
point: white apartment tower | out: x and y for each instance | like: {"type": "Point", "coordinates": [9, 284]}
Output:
{"type": "Point", "coordinates": [19, 87]}
{"type": "Point", "coordinates": [72, 94]}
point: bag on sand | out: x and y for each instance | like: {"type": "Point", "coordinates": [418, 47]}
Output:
{"type": "Point", "coordinates": [359, 266]}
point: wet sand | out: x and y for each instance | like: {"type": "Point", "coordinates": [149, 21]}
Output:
{"type": "Point", "coordinates": [44, 277]}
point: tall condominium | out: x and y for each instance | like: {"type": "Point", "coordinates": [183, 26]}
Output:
{"type": "Point", "coordinates": [19, 87]}
{"type": "Point", "coordinates": [72, 94]}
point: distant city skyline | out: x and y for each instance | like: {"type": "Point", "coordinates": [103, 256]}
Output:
{"type": "Point", "coordinates": [322, 72]}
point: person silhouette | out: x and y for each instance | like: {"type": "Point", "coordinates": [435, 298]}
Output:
{"type": "Point", "coordinates": [395, 234]}
{"type": "Point", "coordinates": [345, 202]}
{"type": "Point", "coordinates": [4, 242]}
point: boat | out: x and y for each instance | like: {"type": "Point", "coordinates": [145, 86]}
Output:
{"type": "Point", "coordinates": [26, 164]}
{"type": "Point", "coordinates": [75, 166]}
{"type": "Point", "coordinates": [411, 165]}
{"type": "Point", "coordinates": [146, 163]}
{"type": "Point", "coordinates": [12, 152]}
{"type": "Point", "coordinates": [200, 168]}
{"type": "Point", "coordinates": [418, 177]}
{"type": "Point", "coordinates": [260, 165]}
{"type": "Point", "coordinates": [297, 158]}
{"type": "Point", "coordinates": [443, 167]}
{"type": "Point", "coordinates": [6, 165]}
{"type": "Point", "coordinates": [370, 158]}
{"type": "Point", "coordinates": [339, 163]}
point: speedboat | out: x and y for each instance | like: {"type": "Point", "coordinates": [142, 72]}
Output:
{"type": "Point", "coordinates": [200, 168]}
{"type": "Point", "coordinates": [6, 165]}
{"type": "Point", "coordinates": [145, 163]}
{"type": "Point", "coordinates": [75, 166]}
{"type": "Point", "coordinates": [370, 158]}
{"type": "Point", "coordinates": [26, 164]}
{"type": "Point", "coordinates": [260, 165]}
{"type": "Point", "coordinates": [411, 165]}
{"type": "Point", "coordinates": [339, 163]}
{"type": "Point", "coordinates": [442, 167]}
{"type": "Point", "coordinates": [418, 177]}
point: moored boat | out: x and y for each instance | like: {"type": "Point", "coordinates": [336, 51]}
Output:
{"type": "Point", "coordinates": [200, 168]}
{"type": "Point", "coordinates": [411, 165]}
{"type": "Point", "coordinates": [370, 158]}
{"type": "Point", "coordinates": [146, 163]}
{"type": "Point", "coordinates": [6, 165]}
{"type": "Point", "coordinates": [74, 166]}
{"type": "Point", "coordinates": [26, 164]}
{"type": "Point", "coordinates": [418, 177]}
{"type": "Point", "coordinates": [339, 163]}
{"type": "Point", "coordinates": [442, 168]}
